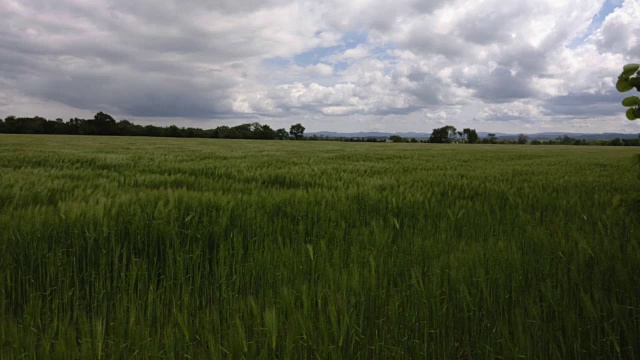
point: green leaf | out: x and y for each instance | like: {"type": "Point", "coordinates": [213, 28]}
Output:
{"type": "Point", "coordinates": [630, 69]}
{"type": "Point", "coordinates": [631, 101]}
{"type": "Point", "coordinates": [623, 85]}
{"type": "Point", "coordinates": [631, 114]}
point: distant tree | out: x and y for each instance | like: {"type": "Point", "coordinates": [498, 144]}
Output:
{"type": "Point", "coordinates": [566, 140]}
{"type": "Point", "coordinates": [34, 125]}
{"type": "Point", "coordinates": [234, 133]}
{"type": "Point", "coordinates": [492, 138]}
{"type": "Point", "coordinates": [187, 132]}
{"type": "Point", "coordinates": [173, 131]}
{"type": "Point", "coordinates": [55, 127]}
{"type": "Point", "coordinates": [103, 124]}
{"type": "Point", "coordinates": [414, 140]}
{"type": "Point", "coordinates": [282, 134]}
{"type": "Point", "coordinates": [297, 131]}
{"type": "Point", "coordinates": [3, 127]}
{"type": "Point", "coordinates": [125, 127]}
{"type": "Point", "coordinates": [398, 139]}
{"type": "Point", "coordinates": [471, 135]}
{"type": "Point", "coordinates": [629, 79]}
{"type": "Point", "coordinates": [265, 132]}
{"type": "Point", "coordinates": [445, 134]}
{"type": "Point", "coordinates": [9, 124]}
{"type": "Point", "coordinates": [102, 117]}
{"type": "Point", "coordinates": [243, 131]}
{"type": "Point", "coordinates": [151, 130]}
{"type": "Point", "coordinates": [536, 142]}
{"type": "Point", "coordinates": [523, 139]}
{"type": "Point", "coordinates": [616, 142]}
{"type": "Point", "coordinates": [221, 131]}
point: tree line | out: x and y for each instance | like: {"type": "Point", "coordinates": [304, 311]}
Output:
{"type": "Point", "coordinates": [105, 124]}
{"type": "Point", "coordinates": [449, 134]}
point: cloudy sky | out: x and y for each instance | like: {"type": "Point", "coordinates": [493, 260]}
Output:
{"type": "Point", "coordinates": [336, 65]}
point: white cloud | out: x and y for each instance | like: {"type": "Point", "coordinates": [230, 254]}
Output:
{"type": "Point", "coordinates": [620, 32]}
{"type": "Point", "coordinates": [359, 52]}
{"type": "Point", "coordinates": [313, 70]}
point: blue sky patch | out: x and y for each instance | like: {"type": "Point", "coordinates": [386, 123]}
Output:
{"type": "Point", "coordinates": [349, 40]}
{"type": "Point", "coordinates": [353, 38]}
{"type": "Point", "coordinates": [607, 8]}
{"type": "Point", "coordinates": [314, 56]}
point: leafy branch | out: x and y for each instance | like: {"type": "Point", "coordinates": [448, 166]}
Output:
{"type": "Point", "coordinates": [629, 79]}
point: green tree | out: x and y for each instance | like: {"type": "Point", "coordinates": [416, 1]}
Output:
{"type": "Point", "coordinates": [297, 131]}
{"type": "Point", "coordinates": [492, 138]}
{"type": "Point", "coordinates": [566, 140]}
{"type": "Point", "coordinates": [173, 131]}
{"type": "Point", "coordinates": [445, 134]}
{"type": "Point", "coordinates": [629, 79]}
{"type": "Point", "coordinates": [102, 117]}
{"type": "Point", "coordinates": [282, 134]}
{"type": "Point", "coordinates": [471, 135]}
{"type": "Point", "coordinates": [243, 131]}
{"type": "Point", "coordinates": [222, 131]}
{"type": "Point", "coordinates": [267, 133]}
{"type": "Point", "coordinates": [523, 139]}
{"type": "Point", "coordinates": [103, 124]}
{"type": "Point", "coordinates": [398, 139]}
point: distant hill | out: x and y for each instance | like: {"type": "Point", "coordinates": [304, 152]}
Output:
{"type": "Point", "coordinates": [368, 134]}
{"type": "Point", "coordinates": [580, 136]}
{"type": "Point", "coordinates": [503, 136]}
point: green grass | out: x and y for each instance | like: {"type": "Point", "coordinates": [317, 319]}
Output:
{"type": "Point", "coordinates": [138, 247]}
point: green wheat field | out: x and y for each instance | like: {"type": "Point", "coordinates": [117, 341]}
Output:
{"type": "Point", "coordinates": [121, 248]}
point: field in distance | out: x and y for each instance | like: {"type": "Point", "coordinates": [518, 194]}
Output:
{"type": "Point", "coordinates": [120, 247]}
